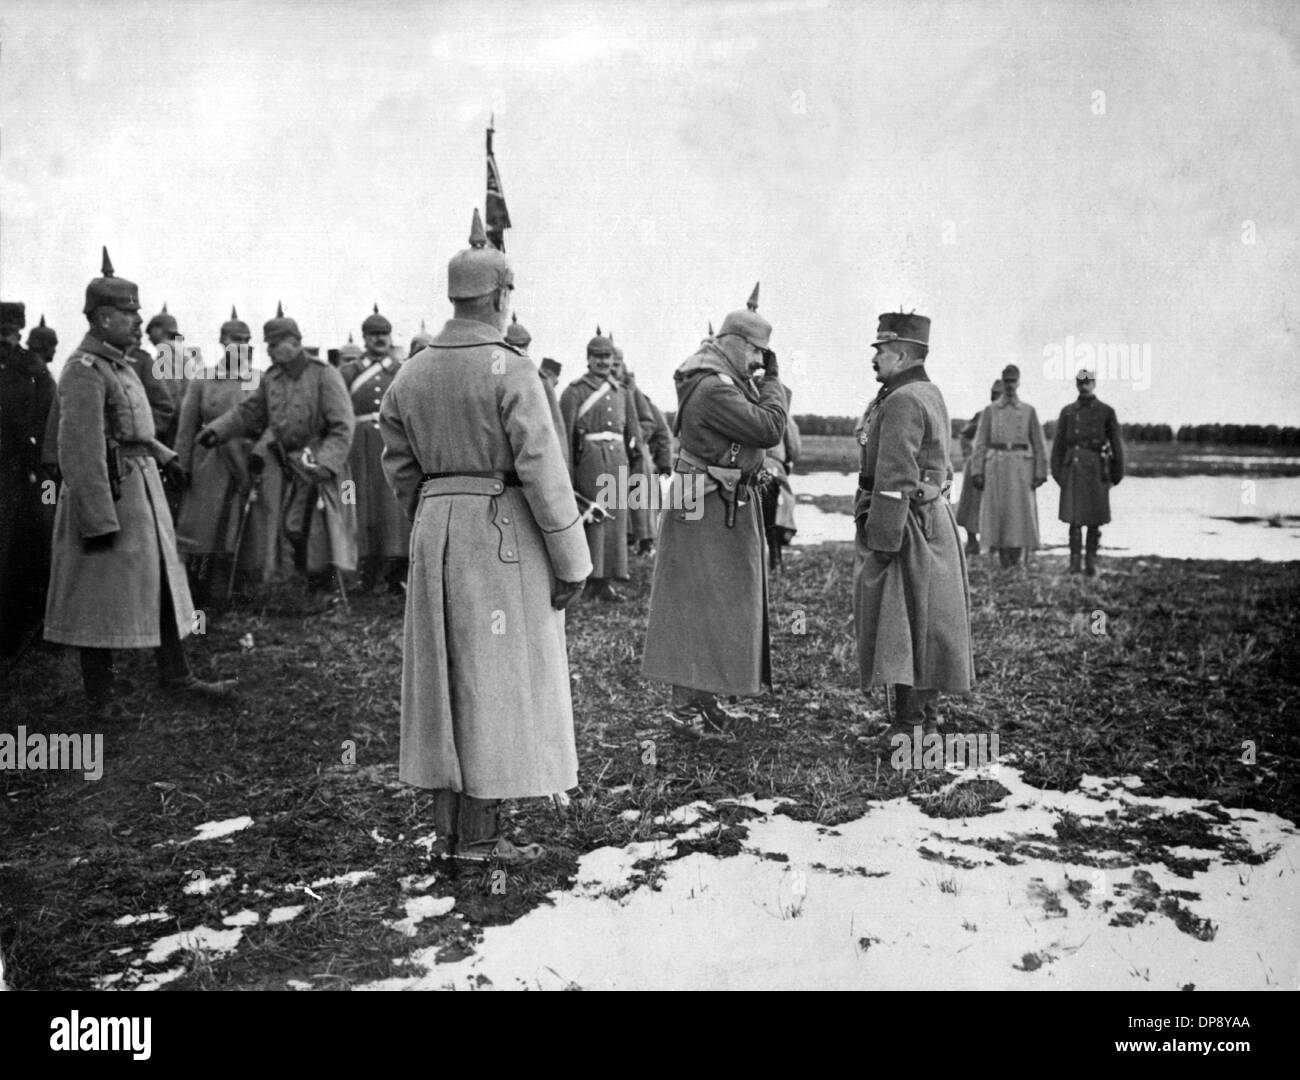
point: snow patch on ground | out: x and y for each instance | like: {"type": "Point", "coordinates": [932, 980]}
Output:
{"type": "Point", "coordinates": [241, 918]}
{"type": "Point", "coordinates": [419, 908]}
{"type": "Point", "coordinates": [352, 877]}
{"type": "Point", "coordinates": [901, 900]}
{"type": "Point", "coordinates": [284, 914]}
{"type": "Point", "coordinates": [148, 916]}
{"type": "Point", "coordinates": [215, 830]}
{"type": "Point", "coordinates": [201, 885]}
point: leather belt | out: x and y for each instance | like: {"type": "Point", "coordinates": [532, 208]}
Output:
{"type": "Point", "coordinates": [1008, 446]}
{"type": "Point", "coordinates": [135, 449]}
{"type": "Point", "coordinates": [603, 436]}
{"type": "Point", "coordinates": [508, 478]}
{"type": "Point", "coordinates": [370, 416]}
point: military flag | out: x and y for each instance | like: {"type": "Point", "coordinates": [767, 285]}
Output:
{"type": "Point", "coordinates": [498, 217]}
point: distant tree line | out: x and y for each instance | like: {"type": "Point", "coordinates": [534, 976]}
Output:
{"type": "Point", "coordinates": [1219, 434]}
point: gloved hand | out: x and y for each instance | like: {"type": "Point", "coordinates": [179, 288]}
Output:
{"type": "Point", "coordinates": [256, 464]}
{"type": "Point", "coordinates": [208, 438]}
{"type": "Point", "coordinates": [884, 557]}
{"type": "Point", "coordinates": [175, 479]}
{"type": "Point", "coordinates": [1040, 483]}
{"type": "Point", "coordinates": [770, 369]}
{"type": "Point", "coordinates": [977, 482]}
{"type": "Point", "coordinates": [102, 542]}
{"type": "Point", "coordinates": [563, 593]}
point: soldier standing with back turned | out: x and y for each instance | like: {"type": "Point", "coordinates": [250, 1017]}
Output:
{"type": "Point", "coordinates": [497, 552]}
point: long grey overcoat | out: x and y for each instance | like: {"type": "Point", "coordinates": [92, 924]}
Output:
{"type": "Point", "coordinates": [109, 598]}
{"type": "Point", "coordinates": [309, 409]}
{"type": "Point", "coordinates": [912, 614]}
{"type": "Point", "coordinates": [486, 708]}
{"type": "Point", "coordinates": [209, 519]}
{"type": "Point", "coordinates": [708, 627]}
{"type": "Point", "coordinates": [1009, 506]}
{"type": "Point", "coordinates": [1087, 459]}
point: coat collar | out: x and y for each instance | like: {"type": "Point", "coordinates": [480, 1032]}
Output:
{"type": "Point", "coordinates": [102, 349]}
{"type": "Point", "coordinates": [464, 333]}
{"type": "Point", "coordinates": [1005, 402]}
{"type": "Point", "coordinates": [913, 374]}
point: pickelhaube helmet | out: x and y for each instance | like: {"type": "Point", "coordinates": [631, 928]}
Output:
{"type": "Point", "coordinates": [350, 351]}
{"type": "Point", "coordinates": [42, 337]}
{"type": "Point", "coordinates": [600, 345]}
{"type": "Point", "coordinates": [235, 325]}
{"type": "Point", "coordinates": [480, 269]}
{"type": "Point", "coordinates": [422, 340]}
{"type": "Point", "coordinates": [748, 324]}
{"type": "Point", "coordinates": [280, 327]}
{"type": "Point", "coordinates": [517, 334]}
{"type": "Point", "coordinates": [376, 323]}
{"type": "Point", "coordinates": [164, 322]}
{"type": "Point", "coordinates": [110, 291]}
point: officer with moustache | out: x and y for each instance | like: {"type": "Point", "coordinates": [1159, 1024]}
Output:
{"type": "Point", "coordinates": [911, 596]}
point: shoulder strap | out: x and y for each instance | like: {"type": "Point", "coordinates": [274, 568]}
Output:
{"type": "Point", "coordinates": [592, 398]}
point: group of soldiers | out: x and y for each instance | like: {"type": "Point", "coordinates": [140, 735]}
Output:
{"type": "Point", "coordinates": [1006, 461]}
{"type": "Point", "coordinates": [482, 494]}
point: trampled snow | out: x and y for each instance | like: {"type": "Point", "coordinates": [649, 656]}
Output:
{"type": "Point", "coordinates": [900, 900]}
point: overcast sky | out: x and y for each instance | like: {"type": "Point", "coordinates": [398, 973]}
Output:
{"type": "Point", "coordinates": [1028, 174]}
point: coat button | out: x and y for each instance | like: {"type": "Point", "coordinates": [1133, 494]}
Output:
{"type": "Point", "coordinates": [509, 554]}
{"type": "Point", "coordinates": [505, 521]}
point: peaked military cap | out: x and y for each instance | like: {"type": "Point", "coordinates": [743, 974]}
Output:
{"type": "Point", "coordinates": [899, 326]}
{"type": "Point", "coordinates": [551, 367]}
{"type": "Point", "coordinates": [13, 315]}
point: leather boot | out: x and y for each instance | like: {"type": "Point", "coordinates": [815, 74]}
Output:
{"type": "Point", "coordinates": [1090, 557]}
{"type": "Point", "coordinates": [446, 821]}
{"type": "Point", "coordinates": [1076, 549]}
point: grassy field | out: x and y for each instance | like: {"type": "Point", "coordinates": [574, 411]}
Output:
{"type": "Point", "coordinates": [840, 452]}
{"type": "Point", "coordinates": [1158, 668]}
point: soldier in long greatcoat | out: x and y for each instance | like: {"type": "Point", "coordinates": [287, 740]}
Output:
{"type": "Point", "coordinates": [383, 531]}
{"type": "Point", "coordinates": [301, 416]}
{"type": "Point", "coordinates": [968, 506]}
{"type": "Point", "coordinates": [497, 552]}
{"type": "Point", "coordinates": [116, 580]}
{"type": "Point", "coordinates": [1009, 464]}
{"type": "Point", "coordinates": [911, 597]}
{"type": "Point", "coordinates": [604, 437]}
{"type": "Point", "coordinates": [708, 628]}
{"type": "Point", "coordinates": [656, 459]}
{"type": "Point", "coordinates": [1087, 461]}
{"type": "Point", "coordinates": [218, 478]}
{"type": "Point", "coordinates": [26, 503]}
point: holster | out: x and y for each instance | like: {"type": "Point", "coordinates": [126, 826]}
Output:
{"type": "Point", "coordinates": [113, 455]}
{"type": "Point", "coordinates": [728, 489]}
